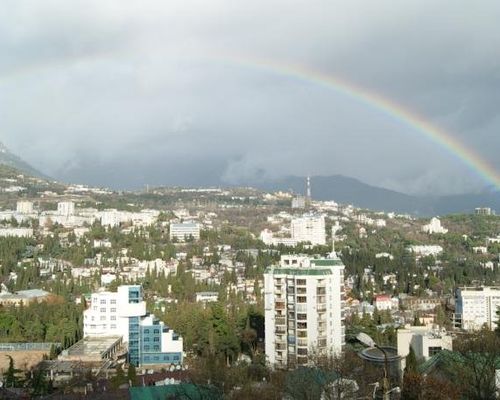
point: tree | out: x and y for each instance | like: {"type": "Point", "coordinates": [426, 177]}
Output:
{"type": "Point", "coordinates": [119, 379]}
{"type": "Point", "coordinates": [11, 379]}
{"type": "Point", "coordinates": [475, 364]}
{"type": "Point", "coordinates": [38, 383]}
{"type": "Point", "coordinates": [132, 375]}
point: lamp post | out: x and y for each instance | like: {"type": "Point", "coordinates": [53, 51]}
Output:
{"type": "Point", "coordinates": [369, 342]}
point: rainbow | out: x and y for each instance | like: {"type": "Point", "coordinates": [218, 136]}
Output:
{"type": "Point", "coordinates": [376, 101]}
{"type": "Point", "coordinates": [371, 99]}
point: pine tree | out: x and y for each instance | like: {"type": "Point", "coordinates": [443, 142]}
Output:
{"type": "Point", "coordinates": [132, 375]}
{"type": "Point", "coordinates": [11, 379]}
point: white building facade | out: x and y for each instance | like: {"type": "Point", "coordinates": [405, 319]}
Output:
{"type": "Point", "coordinates": [434, 227]}
{"type": "Point", "coordinates": [309, 228]}
{"type": "Point", "coordinates": [425, 342]}
{"type": "Point", "coordinates": [476, 307]}
{"type": "Point", "coordinates": [123, 313]}
{"type": "Point", "coordinates": [304, 301]}
{"type": "Point", "coordinates": [183, 231]}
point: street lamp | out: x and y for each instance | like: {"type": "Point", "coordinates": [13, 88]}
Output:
{"type": "Point", "coordinates": [369, 342]}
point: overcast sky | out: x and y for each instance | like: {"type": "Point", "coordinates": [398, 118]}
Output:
{"type": "Point", "coordinates": [124, 93]}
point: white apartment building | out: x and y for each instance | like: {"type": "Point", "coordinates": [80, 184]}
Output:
{"type": "Point", "coordinates": [476, 307]}
{"type": "Point", "coordinates": [66, 208]}
{"type": "Point", "coordinates": [24, 207]}
{"type": "Point", "coordinates": [309, 228]}
{"type": "Point", "coordinates": [207, 297]}
{"type": "Point", "coordinates": [304, 301]}
{"type": "Point", "coordinates": [123, 313]}
{"type": "Point", "coordinates": [425, 250]}
{"type": "Point", "coordinates": [299, 202]}
{"type": "Point", "coordinates": [434, 227]}
{"type": "Point", "coordinates": [267, 236]}
{"type": "Point", "coordinates": [184, 230]}
{"type": "Point", "coordinates": [16, 232]}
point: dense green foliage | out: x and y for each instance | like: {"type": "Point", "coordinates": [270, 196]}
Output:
{"type": "Point", "coordinates": [51, 321]}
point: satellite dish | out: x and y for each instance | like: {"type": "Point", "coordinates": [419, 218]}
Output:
{"type": "Point", "coordinates": [365, 339]}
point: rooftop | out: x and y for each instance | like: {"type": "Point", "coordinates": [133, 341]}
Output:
{"type": "Point", "coordinates": [91, 346]}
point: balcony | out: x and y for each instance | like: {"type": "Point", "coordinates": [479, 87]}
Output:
{"type": "Point", "coordinates": [301, 308]}
{"type": "Point", "coordinates": [302, 317]}
{"type": "Point", "coordinates": [280, 321]}
{"type": "Point", "coordinates": [279, 306]}
{"type": "Point", "coordinates": [321, 308]}
{"type": "Point", "coordinates": [280, 346]}
{"type": "Point", "coordinates": [279, 330]}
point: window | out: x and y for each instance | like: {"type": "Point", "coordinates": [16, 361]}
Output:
{"type": "Point", "coordinates": [434, 350]}
{"type": "Point", "coordinates": [113, 310]}
{"type": "Point", "coordinates": [113, 301]}
{"type": "Point", "coordinates": [146, 358]}
{"type": "Point", "coordinates": [156, 331]}
{"type": "Point", "coordinates": [176, 358]}
{"type": "Point", "coordinates": [156, 339]}
{"type": "Point", "coordinates": [103, 301]}
{"type": "Point", "coordinates": [113, 318]}
{"type": "Point", "coordinates": [146, 348]}
{"type": "Point", "coordinates": [146, 339]}
{"type": "Point", "coordinates": [103, 318]}
{"type": "Point", "coordinates": [156, 348]}
{"type": "Point", "coordinates": [113, 326]}
{"type": "Point", "coordinates": [146, 331]}
{"type": "Point", "coordinates": [92, 318]}
{"type": "Point", "coordinates": [103, 309]}
{"type": "Point", "coordinates": [94, 308]}
{"type": "Point", "coordinates": [157, 358]}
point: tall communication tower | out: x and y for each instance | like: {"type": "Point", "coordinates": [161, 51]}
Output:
{"type": "Point", "coordinates": [308, 191]}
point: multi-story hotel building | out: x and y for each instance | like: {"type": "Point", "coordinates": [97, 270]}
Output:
{"type": "Point", "coordinates": [123, 313]}
{"type": "Point", "coordinates": [476, 307]}
{"type": "Point", "coordinates": [303, 309]}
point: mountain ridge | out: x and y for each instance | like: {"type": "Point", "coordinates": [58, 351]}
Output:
{"type": "Point", "coordinates": [12, 160]}
{"type": "Point", "coordinates": [348, 190]}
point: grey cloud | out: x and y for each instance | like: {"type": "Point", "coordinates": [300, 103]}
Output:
{"type": "Point", "coordinates": [88, 86]}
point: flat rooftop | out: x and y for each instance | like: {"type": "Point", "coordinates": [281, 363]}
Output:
{"type": "Point", "coordinates": [91, 347]}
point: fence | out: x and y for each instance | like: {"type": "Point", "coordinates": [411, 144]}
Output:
{"type": "Point", "coordinates": [28, 346]}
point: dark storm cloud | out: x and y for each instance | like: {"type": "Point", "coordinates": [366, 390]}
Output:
{"type": "Point", "coordinates": [128, 93]}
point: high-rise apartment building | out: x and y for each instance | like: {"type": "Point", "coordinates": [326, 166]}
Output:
{"type": "Point", "coordinates": [304, 299]}
{"type": "Point", "coordinates": [476, 307]}
{"type": "Point", "coordinates": [309, 228]}
{"type": "Point", "coordinates": [123, 313]}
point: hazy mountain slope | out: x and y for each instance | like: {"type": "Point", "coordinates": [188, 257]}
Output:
{"type": "Point", "coordinates": [11, 160]}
